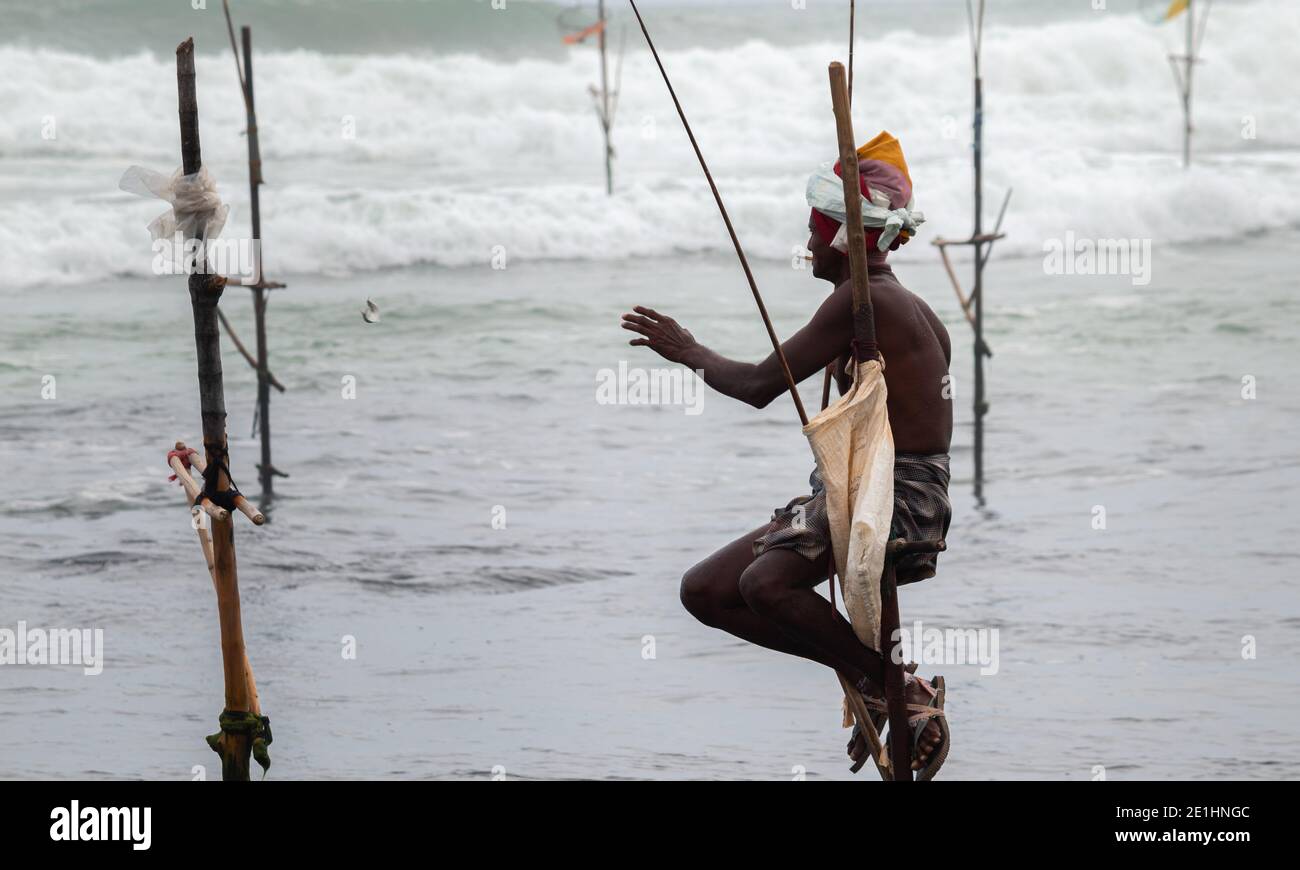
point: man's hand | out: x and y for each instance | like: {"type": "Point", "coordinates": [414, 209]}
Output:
{"type": "Point", "coordinates": [662, 334]}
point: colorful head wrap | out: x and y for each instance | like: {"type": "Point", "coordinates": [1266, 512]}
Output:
{"type": "Point", "coordinates": [889, 213]}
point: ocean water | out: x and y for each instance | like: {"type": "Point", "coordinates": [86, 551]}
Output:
{"type": "Point", "coordinates": [555, 647]}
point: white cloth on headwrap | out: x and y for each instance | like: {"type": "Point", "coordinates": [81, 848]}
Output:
{"type": "Point", "coordinates": [826, 194]}
{"type": "Point", "coordinates": [197, 210]}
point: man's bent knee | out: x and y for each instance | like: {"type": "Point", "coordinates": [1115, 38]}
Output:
{"type": "Point", "coordinates": [762, 589]}
{"type": "Point", "coordinates": [699, 595]}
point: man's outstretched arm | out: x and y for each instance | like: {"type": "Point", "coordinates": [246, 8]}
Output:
{"type": "Point", "coordinates": [808, 351]}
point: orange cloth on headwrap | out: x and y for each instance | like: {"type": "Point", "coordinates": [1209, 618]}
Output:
{"type": "Point", "coordinates": [883, 169]}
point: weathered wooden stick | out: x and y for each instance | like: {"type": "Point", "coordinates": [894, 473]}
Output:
{"type": "Point", "coordinates": [973, 240]}
{"type": "Point", "coordinates": [864, 325]}
{"type": "Point", "coordinates": [248, 509]}
{"type": "Point", "coordinates": [191, 487]}
{"type": "Point", "coordinates": [243, 351]}
{"type": "Point", "coordinates": [952, 276]}
{"type": "Point", "coordinates": [961, 297]}
{"type": "Point", "coordinates": [233, 746]}
{"type": "Point", "coordinates": [205, 542]}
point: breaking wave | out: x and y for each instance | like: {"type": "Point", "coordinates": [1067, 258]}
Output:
{"type": "Point", "coordinates": [378, 161]}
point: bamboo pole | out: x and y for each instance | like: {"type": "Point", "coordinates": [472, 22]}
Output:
{"type": "Point", "coordinates": [1194, 33]}
{"type": "Point", "coordinates": [265, 470]}
{"type": "Point", "coordinates": [604, 102]}
{"type": "Point", "coordinates": [205, 544]}
{"type": "Point", "coordinates": [1189, 61]}
{"type": "Point", "coordinates": [726, 219]}
{"type": "Point", "coordinates": [900, 733]}
{"type": "Point", "coordinates": [265, 380]}
{"type": "Point", "coordinates": [205, 293]}
{"type": "Point", "coordinates": [255, 703]}
{"type": "Point", "coordinates": [979, 240]}
{"type": "Point", "coordinates": [977, 294]}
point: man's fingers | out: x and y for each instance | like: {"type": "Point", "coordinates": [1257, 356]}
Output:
{"type": "Point", "coordinates": [649, 312]}
{"type": "Point", "coordinates": [636, 327]}
{"type": "Point", "coordinates": [634, 318]}
{"type": "Point", "coordinates": [640, 342]}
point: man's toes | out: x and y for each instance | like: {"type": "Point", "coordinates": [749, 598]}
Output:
{"type": "Point", "coordinates": [926, 746]}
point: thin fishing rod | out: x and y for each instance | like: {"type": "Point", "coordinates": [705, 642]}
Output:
{"type": "Point", "coordinates": [762, 309]}
{"type": "Point", "coordinates": [853, 9]}
{"type": "Point", "coordinates": [830, 369]}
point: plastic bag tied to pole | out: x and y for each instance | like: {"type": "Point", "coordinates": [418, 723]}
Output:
{"type": "Point", "coordinates": [196, 212]}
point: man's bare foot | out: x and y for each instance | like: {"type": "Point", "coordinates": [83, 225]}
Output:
{"type": "Point", "coordinates": [858, 746]}
{"type": "Point", "coordinates": [920, 692]}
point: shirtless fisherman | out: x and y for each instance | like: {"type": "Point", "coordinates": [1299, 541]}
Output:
{"type": "Point", "coordinates": [760, 587]}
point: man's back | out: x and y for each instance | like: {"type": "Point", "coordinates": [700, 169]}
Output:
{"type": "Point", "coordinates": [917, 352]}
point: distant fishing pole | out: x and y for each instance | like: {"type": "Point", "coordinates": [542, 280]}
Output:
{"type": "Point", "coordinates": [853, 13]}
{"type": "Point", "coordinates": [762, 309]}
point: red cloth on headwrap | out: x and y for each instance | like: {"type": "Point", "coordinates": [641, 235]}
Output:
{"type": "Point", "coordinates": [887, 180]}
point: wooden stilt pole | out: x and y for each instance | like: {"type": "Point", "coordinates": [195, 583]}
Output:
{"type": "Point", "coordinates": [265, 468]}
{"type": "Point", "coordinates": [1187, 88]}
{"type": "Point", "coordinates": [864, 337]}
{"type": "Point", "coordinates": [192, 489]}
{"type": "Point", "coordinates": [975, 305]}
{"type": "Point", "coordinates": [1183, 74]}
{"type": "Point", "coordinates": [900, 733]}
{"type": "Point", "coordinates": [977, 294]}
{"type": "Point", "coordinates": [233, 746]}
{"type": "Point", "coordinates": [265, 380]}
{"type": "Point", "coordinates": [605, 119]}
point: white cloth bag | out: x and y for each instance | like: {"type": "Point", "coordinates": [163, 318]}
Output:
{"type": "Point", "coordinates": [854, 448]}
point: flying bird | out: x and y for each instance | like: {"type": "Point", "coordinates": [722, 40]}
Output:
{"type": "Point", "coordinates": [370, 314]}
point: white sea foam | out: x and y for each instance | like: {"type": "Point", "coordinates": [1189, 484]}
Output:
{"type": "Point", "coordinates": [456, 154]}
